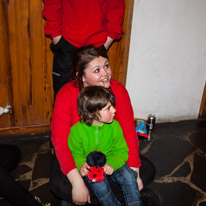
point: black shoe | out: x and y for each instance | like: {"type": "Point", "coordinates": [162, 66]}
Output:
{"type": "Point", "coordinates": [150, 198]}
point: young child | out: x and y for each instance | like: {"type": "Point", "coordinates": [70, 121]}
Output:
{"type": "Point", "coordinates": [98, 131]}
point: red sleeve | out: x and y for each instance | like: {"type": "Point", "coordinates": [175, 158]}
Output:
{"type": "Point", "coordinates": [115, 17]}
{"type": "Point", "coordinates": [62, 120]}
{"type": "Point", "coordinates": [52, 13]}
{"type": "Point", "coordinates": [125, 117]}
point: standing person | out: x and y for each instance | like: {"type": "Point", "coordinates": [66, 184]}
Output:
{"type": "Point", "coordinates": [11, 190]}
{"type": "Point", "coordinates": [75, 23]}
{"type": "Point", "coordinates": [98, 131]}
{"type": "Point", "coordinates": [90, 68]}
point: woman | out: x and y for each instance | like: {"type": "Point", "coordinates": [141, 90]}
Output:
{"type": "Point", "coordinates": [90, 67]}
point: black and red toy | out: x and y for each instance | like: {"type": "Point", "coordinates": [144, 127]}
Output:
{"type": "Point", "coordinates": [96, 160]}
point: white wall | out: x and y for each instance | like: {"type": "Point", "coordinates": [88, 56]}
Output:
{"type": "Point", "coordinates": [167, 59]}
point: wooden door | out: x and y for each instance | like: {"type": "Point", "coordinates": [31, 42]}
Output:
{"type": "Point", "coordinates": [26, 65]}
{"type": "Point", "coordinates": [26, 62]}
{"type": "Point", "coordinates": [119, 51]}
{"type": "Point", "coordinates": [202, 112]}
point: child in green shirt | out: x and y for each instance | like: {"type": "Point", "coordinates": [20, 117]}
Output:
{"type": "Point", "coordinates": [98, 131]}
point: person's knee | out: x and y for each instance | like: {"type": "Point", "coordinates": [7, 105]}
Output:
{"type": "Point", "coordinates": [126, 174]}
{"type": "Point", "coordinates": [147, 170]}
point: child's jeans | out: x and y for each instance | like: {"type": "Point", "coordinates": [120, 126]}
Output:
{"type": "Point", "coordinates": [127, 179]}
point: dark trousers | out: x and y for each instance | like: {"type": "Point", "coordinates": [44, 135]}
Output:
{"type": "Point", "coordinates": [11, 190]}
{"type": "Point", "coordinates": [63, 52]}
{"type": "Point", "coordinates": [62, 188]}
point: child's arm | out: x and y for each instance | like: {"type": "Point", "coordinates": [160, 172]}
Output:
{"type": "Point", "coordinates": [75, 146]}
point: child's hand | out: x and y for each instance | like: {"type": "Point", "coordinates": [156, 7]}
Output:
{"type": "Point", "coordinates": [108, 169]}
{"type": "Point", "coordinates": [84, 169]}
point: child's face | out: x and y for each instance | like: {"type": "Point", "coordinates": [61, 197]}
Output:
{"type": "Point", "coordinates": [107, 113]}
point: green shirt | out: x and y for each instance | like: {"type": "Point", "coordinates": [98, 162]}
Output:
{"type": "Point", "coordinates": [107, 138]}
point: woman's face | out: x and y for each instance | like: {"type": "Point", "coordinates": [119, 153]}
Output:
{"type": "Point", "coordinates": [97, 73]}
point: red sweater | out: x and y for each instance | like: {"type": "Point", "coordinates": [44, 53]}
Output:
{"type": "Point", "coordinates": [84, 22]}
{"type": "Point", "coordinates": [65, 115]}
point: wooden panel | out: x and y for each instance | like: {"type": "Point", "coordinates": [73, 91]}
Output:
{"type": "Point", "coordinates": [4, 77]}
{"type": "Point", "coordinates": [202, 112]}
{"type": "Point", "coordinates": [119, 52]}
{"type": "Point", "coordinates": [26, 83]}
{"type": "Point", "coordinates": [24, 130]}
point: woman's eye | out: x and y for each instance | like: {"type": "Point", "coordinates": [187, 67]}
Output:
{"type": "Point", "coordinates": [96, 71]}
{"type": "Point", "coordinates": [106, 66]}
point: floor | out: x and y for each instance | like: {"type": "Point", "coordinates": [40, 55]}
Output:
{"type": "Point", "coordinates": [178, 151]}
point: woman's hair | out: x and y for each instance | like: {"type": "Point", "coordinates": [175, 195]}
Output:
{"type": "Point", "coordinates": [81, 58]}
{"type": "Point", "coordinates": [91, 100]}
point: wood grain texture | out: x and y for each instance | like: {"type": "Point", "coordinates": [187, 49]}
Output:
{"type": "Point", "coordinates": [202, 111]}
{"type": "Point", "coordinates": [119, 52]}
{"type": "Point", "coordinates": [26, 83]}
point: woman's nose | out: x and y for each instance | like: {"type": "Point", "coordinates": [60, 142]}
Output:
{"type": "Point", "coordinates": [104, 71]}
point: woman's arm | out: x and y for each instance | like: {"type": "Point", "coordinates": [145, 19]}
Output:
{"type": "Point", "coordinates": [139, 180]}
{"type": "Point", "coordinates": [79, 196]}
{"type": "Point", "coordinates": [125, 117]}
{"type": "Point", "coordinates": [62, 120]}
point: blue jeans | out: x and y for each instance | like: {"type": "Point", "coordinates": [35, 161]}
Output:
{"type": "Point", "coordinates": [127, 179]}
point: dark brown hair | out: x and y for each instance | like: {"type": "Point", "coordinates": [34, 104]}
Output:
{"type": "Point", "coordinates": [81, 58]}
{"type": "Point", "coordinates": [91, 100]}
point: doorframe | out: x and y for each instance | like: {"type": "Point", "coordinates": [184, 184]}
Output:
{"type": "Point", "coordinates": [202, 111]}
{"type": "Point", "coordinates": [127, 28]}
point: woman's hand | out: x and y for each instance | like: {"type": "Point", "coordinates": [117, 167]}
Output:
{"type": "Point", "coordinates": [108, 169]}
{"type": "Point", "coordinates": [84, 169]}
{"type": "Point", "coordinates": [139, 180]}
{"type": "Point", "coordinates": [80, 193]}
{"type": "Point", "coordinates": [56, 39]}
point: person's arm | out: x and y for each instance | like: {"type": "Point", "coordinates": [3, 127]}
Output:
{"type": "Point", "coordinates": [139, 180]}
{"type": "Point", "coordinates": [75, 145]}
{"type": "Point", "coordinates": [119, 151]}
{"type": "Point", "coordinates": [125, 117]}
{"type": "Point", "coordinates": [64, 116]}
{"type": "Point", "coordinates": [115, 17]}
{"type": "Point", "coordinates": [80, 193]}
{"type": "Point", "coordinates": [52, 12]}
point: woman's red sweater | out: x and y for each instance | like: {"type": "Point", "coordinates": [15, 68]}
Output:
{"type": "Point", "coordinates": [65, 115]}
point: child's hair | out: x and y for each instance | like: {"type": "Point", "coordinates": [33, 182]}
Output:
{"type": "Point", "coordinates": [81, 58]}
{"type": "Point", "coordinates": [91, 100]}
